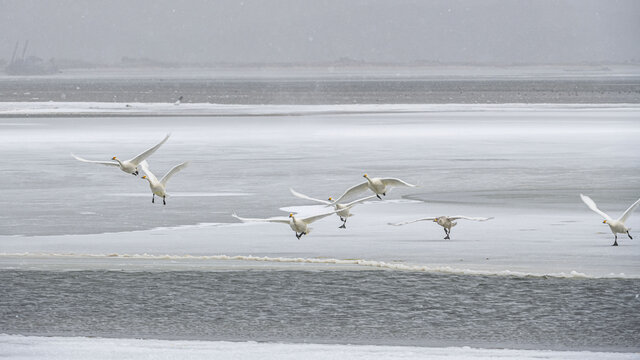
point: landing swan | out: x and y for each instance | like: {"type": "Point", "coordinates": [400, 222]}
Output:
{"type": "Point", "coordinates": [342, 210]}
{"type": "Point", "coordinates": [616, 226]}
{"type": "Point", "coordinates": [379, 186]}
{"type": "Point", "coordinates": [447, 222]}
{"type": "Point", "coordinates": [299, 225]}
{"type": "Point", "coordinates": [159, 187]}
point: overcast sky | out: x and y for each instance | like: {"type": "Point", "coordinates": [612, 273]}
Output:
{"type": "Point", "coordinates": [471, 31]}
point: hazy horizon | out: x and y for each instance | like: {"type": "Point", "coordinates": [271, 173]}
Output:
{"type": "Point", "coordinates": [372, 31]}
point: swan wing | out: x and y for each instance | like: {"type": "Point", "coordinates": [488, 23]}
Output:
{"type": "Point", "coordinates": [592, 205]}
{"type": "Point", "coordinates": [138, 159]}
{"type": "Point", "coordinates": [145, 168]}
{"type": "Point", "coordinates": [303, 196]}
{"type": "Point", "coordinates": [360, 200]}
{"type": "Point", "coordinates": [172, 172]}
{"type": "Point", "coordinates": [356, 189]}
{"type": "Point", "coordinates": [271, 220]}
{"type": "Point", "coordinates": [626, 214]}
{"type": "Point", "coordinates": [311, 219]}
{"type": "Point", "coordinates": [412, 221]}
{"type": "Point", "coordinates": [395, 182]}
{"type": "Point", "coordinates": [109, 163]}
{"type": "Point", "coordinates": [469, 218]}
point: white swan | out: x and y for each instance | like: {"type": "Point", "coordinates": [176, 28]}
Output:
{"type": "Point", "coordinates": [342, 210]}
{"type": "Point", "coordinates": [299, 225]}
{"type": "Point", "coordinates": [159, 187]}
{"type": "Point", "coordinates": [128, 166]}
{"type": "Point", "coordinates": [379, 186]}
{"type": "Point", "coordinates": [447, 222]}
{"type": "Point", "coordinates": [616, 226]}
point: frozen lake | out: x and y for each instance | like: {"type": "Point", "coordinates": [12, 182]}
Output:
{"type": "Point", "coordinates": [65, 222]}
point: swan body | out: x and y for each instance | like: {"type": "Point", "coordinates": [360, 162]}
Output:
{"type": "Point", "coordinates": [616, 225]}
{"type": "Point", "coordinates": [379, 186]}
{"type": "Point", "coordinates": [298, 224]}
{"type": "Point", "coordinates": [342, 210]}
{"type": "Point", "coordinates": [158, 187]}
{"type": "Point", "coordinates": [447, 222]}
{"type": "Point", "coordinates": [129, 166]}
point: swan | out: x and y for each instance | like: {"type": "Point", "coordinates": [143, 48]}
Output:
{"type": "Point", "coordinates": [299, 225]}
{"type": "Point", "coordinates": [342, 210]}
{"type": "Point", "coordinates": [447, 222]}
{"type": "Point", "coordinates": [159, 187]}
{"type": "Point", "coordinates": [616, 226]}
{"type": "Point", "coordinates": [379, 186]}
{"type": "Point", "coordinates": [128, 166]}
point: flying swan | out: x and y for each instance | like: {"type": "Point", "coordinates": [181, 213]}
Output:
{"type": "Point", "coordinates": [299, 225]}
{"type": "Point", "coordinates": [447, 222]}
{"type": "Point", "coordinates": [128, 166]}
{"type": "Point", "coordinates": [379, 186]}
{"type": "Point", "coordinates": [342, 210]}
{"type": "Point", "coordinates": [616, 226]}
{"type": "Point", "coordinates": [159, 187]}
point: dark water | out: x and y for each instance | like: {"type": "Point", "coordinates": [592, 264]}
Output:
{"type": "Point", "coordinates": [325, 91]}
{"type": "Point", "coordinates": [376, 307]}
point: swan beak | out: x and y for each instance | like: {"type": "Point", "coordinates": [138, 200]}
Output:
{"type": "Point", "coordinates": [330, 199]}
{"type": "Point", "coordinates": [113, 158]}
{"type": "Point", "coordinates": [290, 214]}
{"type": "Point", "coordinates": [365, 175]}
{"type": "Point", "coordinates": [435, 220]}
{"type": "Point", "coordinates": [604, 222]}
{"type": "Point", "coordinates": [144, 177]}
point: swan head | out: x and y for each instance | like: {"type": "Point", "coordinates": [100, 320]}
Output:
{"type": "Point", "coordinates": [365, 176]}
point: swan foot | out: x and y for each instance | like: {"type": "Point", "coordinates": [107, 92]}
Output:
{"type": "Point", "coordinates": [135, 173]}
{"type": "Point", "coordinates": [378, 196]}
{"type": "Point", "coordinates": [298, 235]}
{"type": "Point", "coordinates": [344, 226]}
{"type": "Point", "coordinates": [447, 237]}
{"type": "Point", "coordinates": [615, 242]}
{"type": "Point", "coordinates": [629, 235]}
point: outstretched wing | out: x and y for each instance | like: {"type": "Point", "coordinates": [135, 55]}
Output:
{"type": "Point", "coordinates": [412, 221]}
{"type": "Point", "coordinates": [360, 200]}
{"type": "Point", "coordinates": [145, 168]}
{"type": "Point", "coordinates": [138, 159]}
{"type": "Point", "coordinates": [626, 214]}
{"type": "Point", "coordinates": [469, 218]}
{"type": "Point", "coordinates": [311, 219]}
{"type": "Point", "coordinates": [172, 172]}
{"type": "Point", "coordinates": [109, 163]}
{"type": "Point", "coordinates": [592, 205]}
{"type": "Point", "coordinates": [352, 191]}
{"type": "Point", "coordinates": [395, 182]}
{"type": "Point", "coordinates": [272, 220]}
{"type": "Point", "coordinates": [303, 196]}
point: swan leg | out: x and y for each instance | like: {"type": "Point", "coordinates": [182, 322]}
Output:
{"type": "Point", "coordinates": [153, 198]}
{"type": "Point", "coordinates": [298, 236]}
{"type": "Point", "coordinates": [615, 242]}
{"type": "Point", "coordinates": [384, 194]}
{"type": "Point", "coordinates": [629, 235]}
{"type": "Point", "coordinates": [135, 173]}
{"type": "Point", "coordinates": [378, 196]}
{"type": "Point", "coordinates": [164, 202]}
{"type": "Point", "coordinates": [447, 233]}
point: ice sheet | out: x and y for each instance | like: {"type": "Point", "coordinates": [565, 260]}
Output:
{"type": "Point", "coordinates": [34, 347]}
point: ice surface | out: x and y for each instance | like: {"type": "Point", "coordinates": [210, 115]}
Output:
{"type": "Point", "coordinates": [68, 348]}
{"type": "Point", "coordinates": [522, 164]}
